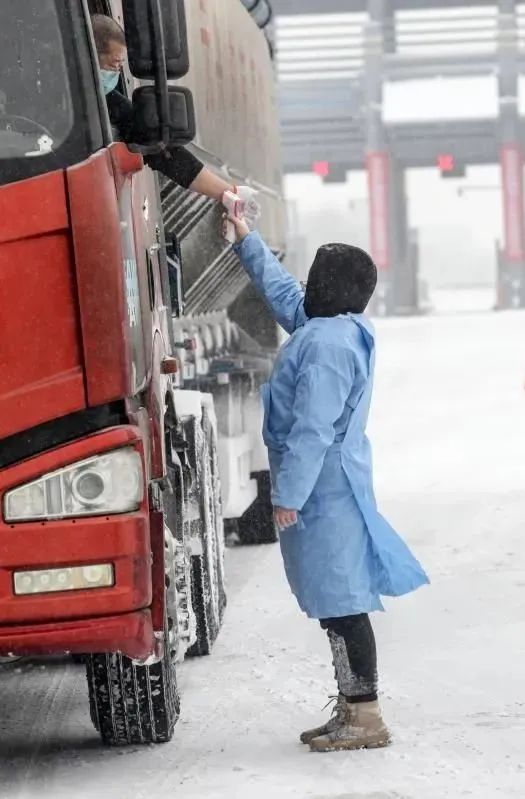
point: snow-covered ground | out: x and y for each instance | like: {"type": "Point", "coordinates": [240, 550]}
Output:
{"type": "Point", "coordinates": [449, 434]}
{"type": "Point", "coordinates": [459, 300]}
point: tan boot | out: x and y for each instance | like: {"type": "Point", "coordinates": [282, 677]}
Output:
{"type": "Point", "coordinates": [362, 727]}
{"type": "Point", "coordinates": [338, 716]}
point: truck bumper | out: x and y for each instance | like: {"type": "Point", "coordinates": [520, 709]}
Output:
{"type": "Point", "coordinates": [103, 619]}
{"type": "Point", "coordinates": [132, 634]}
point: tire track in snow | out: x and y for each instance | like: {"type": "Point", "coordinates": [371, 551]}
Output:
{"type": "Point", "coordinates": [53, 705]}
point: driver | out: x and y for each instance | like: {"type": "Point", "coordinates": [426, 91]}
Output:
{"type": "Point", "coordinates": [176, 163]}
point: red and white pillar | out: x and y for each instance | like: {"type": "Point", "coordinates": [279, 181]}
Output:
{"type": "Point", "coordinates": [511, 161]}
{"type": "Point", "coordinates": [511, 266]}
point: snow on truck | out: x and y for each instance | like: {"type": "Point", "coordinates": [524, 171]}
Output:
{"type": "Point", "coordinates": [131, 345]}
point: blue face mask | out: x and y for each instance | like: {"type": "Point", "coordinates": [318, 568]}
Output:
{"type": "Point", "coordinates": [109, 80]}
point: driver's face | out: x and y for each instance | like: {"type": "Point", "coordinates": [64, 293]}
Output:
{"type": "Point", "coordinates": [114, 57]}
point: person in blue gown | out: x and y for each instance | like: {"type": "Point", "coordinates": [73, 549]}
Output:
{"type": "Point", "coordinates": [340, 555]}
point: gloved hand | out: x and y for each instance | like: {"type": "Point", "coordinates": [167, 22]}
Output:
{"type": "Point", "coordinates": [252, 209]}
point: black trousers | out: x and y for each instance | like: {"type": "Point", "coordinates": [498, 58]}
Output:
{"type": "Point", "coordinates": [355, 658]}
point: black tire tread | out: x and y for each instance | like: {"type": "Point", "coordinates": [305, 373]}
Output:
{"type": "Point", "coordinates": [207, 629]}
{"type": "Point", "coordinates": [130, 703]}
{"type": "Point", "coordinates": [208, 622]}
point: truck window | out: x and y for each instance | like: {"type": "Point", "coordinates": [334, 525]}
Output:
{"type": "Point", "coordinates": [36, 110]}
{"type": "Point", "coordinates": [99, 7]}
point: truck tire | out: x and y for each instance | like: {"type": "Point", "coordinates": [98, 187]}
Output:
{"type": "Point", "coordinates": [256, 525]}
{"type": "Point", "coordinates": [137, 704]}
{"type": "Point", "coordinates": [133, 704]}
{"type": "Point", "coordinates": [208, 582]}
{"type": "Point", "coordinates": [208, 622]}
{"type": "Point", "coordinates": [219, 542]}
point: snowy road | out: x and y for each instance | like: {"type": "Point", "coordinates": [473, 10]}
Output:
{"type": "Point", "coordinates": [449, 434]}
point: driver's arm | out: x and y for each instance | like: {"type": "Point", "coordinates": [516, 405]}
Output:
{"type": "Point", "coordinates": [181, 166]}
{"type": "Point", "coordinates": [177, 163]}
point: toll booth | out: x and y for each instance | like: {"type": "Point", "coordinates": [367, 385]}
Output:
{"type": "Point", "coordinates": [332, 109]}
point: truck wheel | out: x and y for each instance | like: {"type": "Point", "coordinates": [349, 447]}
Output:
{"type": "Point", "coordinates": [256, 525]}
{"type": "Point", "coordinates": [132, 703]}
{"type": "Point", "coordinates": [208, 584]}
{"type": "Point", "coordinates": [218, 524]}
{"type": "Point", "coordinates": [208, 622]}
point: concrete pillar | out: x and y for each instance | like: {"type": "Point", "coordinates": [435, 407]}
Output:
{"type": "Point", "coordinates": [389, 236]}
{"type": "Point", "coordinates": [511, 261]}
{"type": "Point", "coordinates": [377, 157]}
{"type": "Point", "coordinates": [389, 28]}
{"type": "Point", "coordinates": [404, 257]}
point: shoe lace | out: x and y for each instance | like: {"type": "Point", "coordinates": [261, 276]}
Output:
{"type": "Point", "coordinates": [338, 704]}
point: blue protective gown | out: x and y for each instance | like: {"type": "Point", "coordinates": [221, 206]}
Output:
{"type": "Point", "coordinates": [342, 555]}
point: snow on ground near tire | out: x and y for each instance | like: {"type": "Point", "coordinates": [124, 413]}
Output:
{"type": "Point", "coordinates": [449, 435]}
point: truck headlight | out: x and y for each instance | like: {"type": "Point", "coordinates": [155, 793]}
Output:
{"type": "Point", "coordinates": [108, 483]}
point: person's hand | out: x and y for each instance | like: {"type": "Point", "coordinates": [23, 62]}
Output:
{"type": "Point", "coordinates": [284, 518]}
{"type": "Point", "coordinates": [252, 209]}
{"type": "Point", "coordinates": [240, 225]}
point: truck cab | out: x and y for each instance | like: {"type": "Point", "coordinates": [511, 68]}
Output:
{"type": "Point", "coordinates": [116, 409]}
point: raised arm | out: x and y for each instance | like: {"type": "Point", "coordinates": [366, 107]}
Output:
{"type": "Point", "coordinates": [281, 291]}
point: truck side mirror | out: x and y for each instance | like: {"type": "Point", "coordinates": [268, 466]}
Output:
{"type": "Point", "coordinates": [147, 126]}
{"type": "Point", "coordinates": [142, 42]}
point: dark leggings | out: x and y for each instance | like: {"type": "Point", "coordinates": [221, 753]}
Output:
{"type": "Point", "coordinates": [355, 659]}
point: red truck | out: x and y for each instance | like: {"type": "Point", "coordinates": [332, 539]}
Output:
{"type": "Point", "coordinates": [121, 407]}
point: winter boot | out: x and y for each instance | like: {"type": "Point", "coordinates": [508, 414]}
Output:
{"type": "Point", "coordinates": [361, 727]}
{"type": "Point", "coordinates": [338, 715]}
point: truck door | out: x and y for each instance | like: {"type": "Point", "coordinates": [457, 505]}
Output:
{"type": "Point", "coordinates": [136, 194]}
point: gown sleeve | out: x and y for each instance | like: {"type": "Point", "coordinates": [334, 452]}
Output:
{"type": "Point", "coordinates": [281, 291]}
{"type": "Point", "coordinates": [324, 382]}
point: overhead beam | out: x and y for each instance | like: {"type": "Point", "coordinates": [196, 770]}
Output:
{"type": "Point", "coordinates": [412, 145]}
{"type": "Point", "coordinates": [293, 7]}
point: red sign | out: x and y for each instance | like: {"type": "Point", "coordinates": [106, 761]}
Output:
{"type": "Point", "coordinates": [378, 166]}
{"type": "Point", "coordinates": [321, 168]}
{"type": "Point", "coordinates": [446, 162]}
{"type": "Point", "coordinates": [513, 213]}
